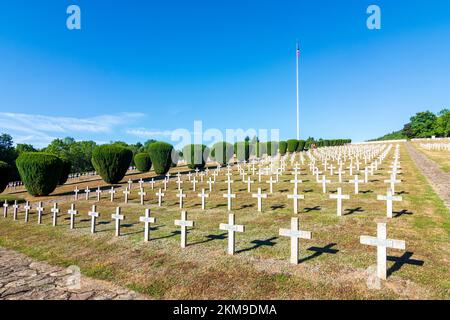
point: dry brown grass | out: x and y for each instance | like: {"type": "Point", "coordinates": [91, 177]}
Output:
{"type": "Point", "coordinates": [442, 158]}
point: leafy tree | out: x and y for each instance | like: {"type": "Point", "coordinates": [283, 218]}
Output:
{"type": "Point", "coordinates": [22, 147]}
{"type": "Point", "coordinates": [423, 124]}
{"type": "Point", "coordinates": [7, 152]}
{"type": "Point", "coordinates": [443, 123]}
{"type": "Point", "coordinates": [196, 155]}
{"type": "Point", "coordinates": [5, 174]}
{"type": "Point", "coordinates": [407, 131]}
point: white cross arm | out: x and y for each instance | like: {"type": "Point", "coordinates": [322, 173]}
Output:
{"type": "Point", "coordinates": [147, 219]}
{"type": "Point", "coordinates": [388, 243]}
{"type": "Point", "coordinates": [184, 223]}
{"type": "Point", "coordinates": [236, 228]}
{"type": "Point", "coordinates": [296, 234]}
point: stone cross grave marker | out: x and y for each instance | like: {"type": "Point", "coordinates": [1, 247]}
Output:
{"type": "Point", "coordinates": [94, 215]}
{"type": "Point", "coordinates": [39, 210]}
{"type": "Point", "coordinates": [203, 195]}
{"type": "Point", "coordinates": [295, 234]}
{"type": "Point", "coordinates": [356, 182]}
{"type": "Point", "coordinates": [295, 196]}
{"type": "Point", "coordinates": [76, 191]}
{"type": "Point", "coordinates": [27, 208]}
{"type": "Point", "coordinates": [231, 227]}
{"type": "Point", "coordinates": [87, 191]}
{"type": "Point", "coordinates": [126, 192]}
{"type": "Point", "coordinates": [147, 220]}
{"type": "Point", "coordinates": [270, 182]}
{"type": "Point", "coordinates": [5, 209]}
{"type": "Point", "coordinates": [324, 182]}
{"type": "Point", "coordinates": [142, 195]}
{"type": "Point", "coordinates": [259, 196]}
{"type": "Point", "coordinates": [382, 243]}
{"type": "Point", "coordinates": [184, 223]}
{"type": "Point", "coordinates": [339, 197]}
{"type": "Point", "coordinates": [72, 212]}
{"type": "Point", "coordinates": [249, 184]}
{"type": "Point", "coordinates": [112, 192]}
{"type": "Point", "coordinates": [118, 217]}
{"type": "Point", "coordinates": [180, 196]}
{"type": "Point", "coordinates": [160, 195]}
{"type": "Point", "coordinates": [229, 196]}
{"type": "Point", "coordinates": [15, 210]}
{"type": "Point", "coordinates": [389, 198]}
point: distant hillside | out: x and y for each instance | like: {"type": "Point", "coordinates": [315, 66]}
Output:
{"type": "Point", "coordinates": [422, 125]}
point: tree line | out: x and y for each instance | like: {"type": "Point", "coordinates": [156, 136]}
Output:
{"type": "Point", "coordinates": [423, 125]}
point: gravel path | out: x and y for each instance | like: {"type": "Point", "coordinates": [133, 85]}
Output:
{"type": "Point", "coordinates": [439, 180]}
{"type": "Point", "coordinates": [22, 278]}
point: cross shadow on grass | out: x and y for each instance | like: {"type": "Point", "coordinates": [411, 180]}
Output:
{"type": "Point", "coordinates": [245, 206]}
{"type": "Point", "coordinates": [367, 191]}
{"type": "Point", "coordinates": [400, 213]}
{"type": "Point", "coordinates": [308, 190]}
{"type": "Point", "coordinates": [318, 251]}
{"type": "Point", "coordinates": [259, 243]}
{"type": "Point", "coordinates": [211, 237]}
{"type": "Point", "coordinates": [354, 210]}
{"type": "Point", "coordinates": [316, 208]}
{"type": "Point", "coordinates": [401, 261]}
{"type": "Point", "coordinates": [172, 234]}
{"type": "Point", "coordinates": [278, 206]}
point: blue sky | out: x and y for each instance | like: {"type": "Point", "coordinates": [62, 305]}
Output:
{"type": "Point", "coordinates": [141, 69]}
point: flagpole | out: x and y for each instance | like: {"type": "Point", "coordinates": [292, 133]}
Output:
{"type": "Point", "coordinates": [298, 102]}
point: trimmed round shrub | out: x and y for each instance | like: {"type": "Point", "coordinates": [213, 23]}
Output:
{"type": "Point", "coordinates": [242, 150]}
{"type": "Point", "coordinates": [143, 162]}
{"type": "Point", "coordinates": [40, 172]}
{"type": "Point", "coordinates": [176, 156]}
{"type": "Point", "coordinates": [5, 175]}
{"type": "Point", "coordinates": [111, 162]}
{"type": "Point", "coordinates": [65, 171]}
{"type": "Point", "coordinates": [196, 155]}
{"type": "Point", "coordinates": [222, 152]}
{"type": "Point", "coordinates": [161, 155]}
{"type": "Point", "coordinates": [282, 145]}
{"type": "Point", "coordinates": [301, 145]}
{"type": "Point", "coordinates": [292, 145]}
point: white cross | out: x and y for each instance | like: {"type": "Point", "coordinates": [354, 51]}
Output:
{"type": "Point", "coordinates": [39, 210]}
{"type": "Point", "coordinates": [179, 183]}
{"type": "Point", "coordinates": [112, 192]}
{"type": "Point", "coordinates": [87, 191]}
{"type": "Point", "coordinates": [210, 182]}
{"type": "Point", "coordinates": [118, 217]}
{"type": "Point", "coordinates": [295, 234]}
{"type": "Point", "coordinates": [340, 172]}
{"type": "Point", "coordinates": [229, 196]}
{"type": "Point", "coordinates": [231, 228]}
{"type": "Point", "coordinates": [366, 175]}
{"type": "Point", "coordinates": [99, 194]}
{"type": "Point", "coordinates": [15, 210]}
{"type": "Point", "coordinates": [142, 194]}
{"type": "Point", "coordinates": [324, 182]}
{"type": "Point", "coordinates": [249, 184]}
{"type": "Point", "coordinates": [270, 184]}
{"type": "Point", "coordinates": [392, 181]}
{"type": "Point", "coordinates": [160, 195]}
{"type": "Point", "coordinates": [295, 196]}
{"type": "Point", "coordinates": [152, 183]}
{"type": "Point", "coordinates": [339, 197]}
{"type": "Point", "coordinates": [76, 193]}
{"type": "Point", "coordinates": [180, 196]}
{"type": "Point", "coordinates": [5, 209]}
{"type": "Point", "coordinates": [130, 183]}
{"type": "Point", "coordinates": [203, 195]}
{"type": "Point", "coordinates": [184, 223]}
{"type": "Point", "coordinates": [296, 182]}
{"type": "Point", "coordinates": [260, 196]}
{"type": "Point", "coordinates": [94, 215]}
{"type": "Point", "coordinates": [356, 181]}
{"type": "Point", "coordinates": [165, 182]}
{"type": "Point", "coordinates": [72, 212]}
{"type": "Point", "coordinates": [194, 183]}
{"type": "Point", "coordinates": [27, 208]}
{"type": "Point", "coordinates": [141, 182]}
{"type": "Point", "coordinates": [147, 220]}
{"type": "Point", "coordinates": [382, 243]}
{"type": "Point", "coordinates": [389, 198]}
{"type": "Point", "coordinates": [126, 192]}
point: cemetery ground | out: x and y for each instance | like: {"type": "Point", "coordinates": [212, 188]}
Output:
{"type": "Point", "coordinates": [333, 264]}
{"type": "Point", "coordinates": [441, 157]}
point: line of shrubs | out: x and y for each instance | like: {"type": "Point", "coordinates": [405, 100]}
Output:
{"type": "Point", "coordinates": [43, 172]}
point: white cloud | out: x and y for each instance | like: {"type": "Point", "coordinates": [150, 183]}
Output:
{"type": "Point", "coordinates": [39, 130]}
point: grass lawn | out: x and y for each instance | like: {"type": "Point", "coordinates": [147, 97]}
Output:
{"type": "Point", "coordinates": [333, 264]}
{"type": "Point", "coordinates": [442, 158]}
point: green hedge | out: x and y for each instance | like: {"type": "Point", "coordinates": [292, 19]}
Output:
{"type": "Point", "coordinates": [5, 175]}
{"type": "Point", "coordinates": [111, 162]}
{"type": "Point", "coordinates": [282, 145]}
{"type": "Point", "coordinates": [143, 162]}
{"type": "Point", "coordinates": [301, 145]}
{"type": "Point", "coordinates": [161, 155]}
{"type": "Point", "coordinates": [222, 152]}
{"type": "Point", "coordinates": [292, 145]}
{"type": "Point", "coordinates": [66, 167]}
{"type": "Point", "coordinates": [272, 148]}
{"type": "Point", "coordinates": [242, 150]}
{"type": "Point", "coordinates": [196, 155]}
{"type": "Point", "coordinates": [40, 172]}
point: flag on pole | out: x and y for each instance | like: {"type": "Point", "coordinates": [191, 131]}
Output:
{"type": "Point", "coordinates": [298, 50]}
